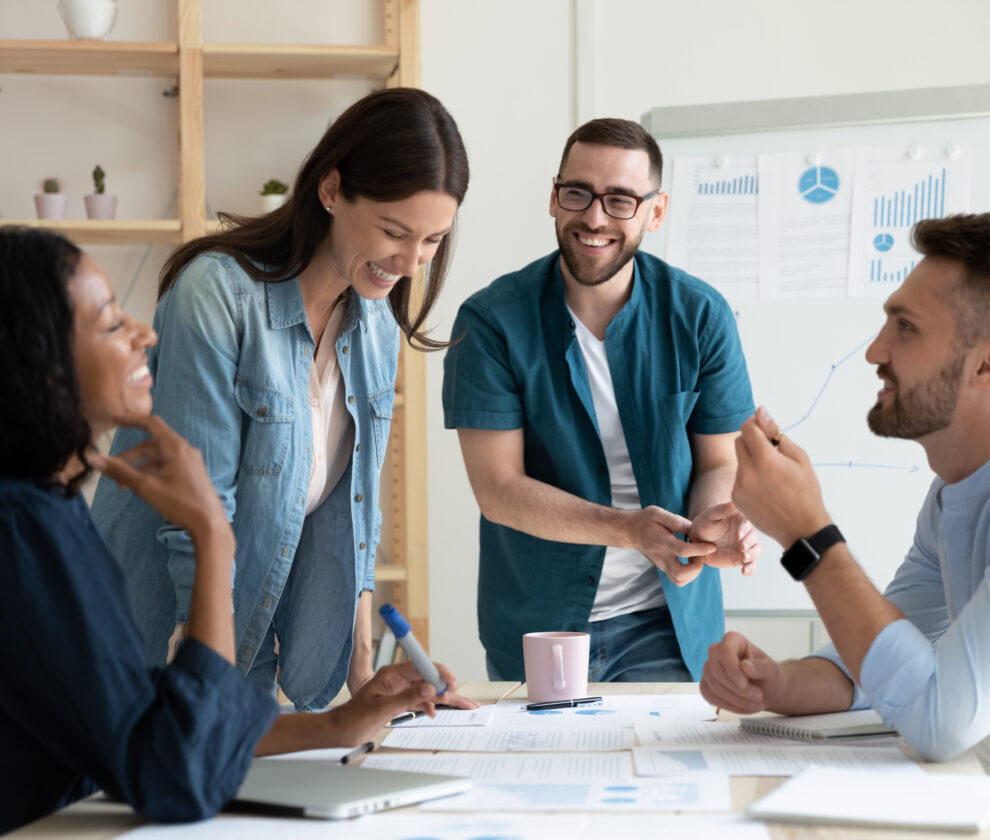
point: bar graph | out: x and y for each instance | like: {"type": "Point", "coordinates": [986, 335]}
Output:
{"type": "Point", "coordinates": [741, 185]}
{"type": "Point", "coordinates": [902, 208]}
{"type": "Point", "coordinates": [883, 273]}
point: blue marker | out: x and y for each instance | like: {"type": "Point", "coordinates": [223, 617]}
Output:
{"type": "Point", "coordinates": [404, 636]}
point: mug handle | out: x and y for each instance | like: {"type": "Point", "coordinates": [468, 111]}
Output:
{"type": "Point", "coordinates": [558, 666]}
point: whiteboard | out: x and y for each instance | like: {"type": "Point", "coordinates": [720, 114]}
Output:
{"type": "Point", "coordinates": [805, 357]}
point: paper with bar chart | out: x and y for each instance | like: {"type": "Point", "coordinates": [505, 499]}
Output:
{"type": "Point", "coordinates": [713, 223]}
{"type": "Point", "coordinates": [894, 190]}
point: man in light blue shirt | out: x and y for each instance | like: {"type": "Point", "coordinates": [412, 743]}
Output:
{"type": "Point", "coordinates": [920, 655]}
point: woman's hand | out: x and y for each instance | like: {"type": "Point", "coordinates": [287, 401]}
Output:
{"type": "Point", "coordinates": [169, 474]}
{"type": "Point", "coordinates": [393, 690]}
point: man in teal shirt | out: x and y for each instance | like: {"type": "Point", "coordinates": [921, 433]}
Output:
{"type": "Point", "coordinates": [597, 394]}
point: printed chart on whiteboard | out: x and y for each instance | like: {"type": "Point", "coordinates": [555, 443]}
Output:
{"type": "Point", "coordinates": [897, 190]}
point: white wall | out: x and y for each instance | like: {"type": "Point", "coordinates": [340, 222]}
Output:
{"type": "Point", "coordinates": [508, 73]}
{"type": "Point", "coordinates": [512, 58]}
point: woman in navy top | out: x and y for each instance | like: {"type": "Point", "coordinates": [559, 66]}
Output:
{"type": "Point", "coordinates": [79, 709]}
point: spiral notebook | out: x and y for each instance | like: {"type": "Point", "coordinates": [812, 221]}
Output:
{"type": "Point", "coordinates": [819, 728]}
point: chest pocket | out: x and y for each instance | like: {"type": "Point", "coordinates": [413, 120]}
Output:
{"type": "Point", "coordinates": [675, 410]}
{"type": "Point", "coordinates": [267, 427]}
{"type": "Point", "coordinates": [381, 404]}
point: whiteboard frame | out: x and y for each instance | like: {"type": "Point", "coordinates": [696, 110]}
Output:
{"type": "Point", "coordinates": [919, 105]}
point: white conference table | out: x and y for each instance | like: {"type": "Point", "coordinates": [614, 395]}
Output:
{"type": "Point", "coordinates": [96, 819]}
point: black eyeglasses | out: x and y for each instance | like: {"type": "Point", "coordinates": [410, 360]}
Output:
{"type": "Point", "coordinates": [616, 205]}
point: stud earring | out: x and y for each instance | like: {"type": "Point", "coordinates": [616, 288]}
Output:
{"type": "Point", "coordinates": [329, 208]}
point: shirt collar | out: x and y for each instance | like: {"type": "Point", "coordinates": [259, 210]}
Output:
{"type": "Point", "coordinates": [285, 304]}
{"type": "Point", "coordinates": [975, 484]}
{"type": "Point", "coordinates": [286, 307]}
{"type": "Point", "coordinates": [628, 308]}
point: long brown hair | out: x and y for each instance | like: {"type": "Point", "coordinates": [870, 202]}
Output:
{"type": "Point", "coordinates": [387, 146]}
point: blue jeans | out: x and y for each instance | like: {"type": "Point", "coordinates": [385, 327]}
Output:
{"type": "Point", "coordinates": [636, 647]}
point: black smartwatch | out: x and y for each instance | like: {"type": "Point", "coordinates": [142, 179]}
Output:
{"type": "Point", "coordinates": [802, 557]}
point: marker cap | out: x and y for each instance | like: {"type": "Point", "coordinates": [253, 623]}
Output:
{"type": "Point", "coordinates": [394, 619]}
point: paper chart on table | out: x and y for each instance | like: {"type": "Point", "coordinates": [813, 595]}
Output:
{"type": "Point", "coordinates": [481, 716]}
{"type": "Point", "coordinates": [515, 767]}
{"type": "Point", "coordinates": [511, 739]}
{"type": "Point", "coordinates": [393, 826]}
{"type": "Point", "coordinates": [895, 190]}
{"type": "Point", "coordinates": [767, 761]}
{"type": "Point", "coordinates": [674, 827]}
{"type": "Point", "coordinates": [805, 212]}
{"type": "Point", "coordinates": [613, 710]}
{"type": "Point", "coordinates": [714, 223]}
{"type": "Point", "coordinates": [699, 792]}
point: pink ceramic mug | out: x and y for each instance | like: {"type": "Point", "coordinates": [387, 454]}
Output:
{"type": "Point", "coordinates": [556, 666]}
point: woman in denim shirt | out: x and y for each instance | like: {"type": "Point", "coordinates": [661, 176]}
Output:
{"type": "Point", "coordinates": [277, 359]}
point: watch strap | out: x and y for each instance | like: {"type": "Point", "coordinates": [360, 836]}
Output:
{"type": "Point", "coordinates": [801, 559]}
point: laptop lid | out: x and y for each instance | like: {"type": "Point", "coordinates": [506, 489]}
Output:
{"type": "Point", "coordinates": [337, 791]}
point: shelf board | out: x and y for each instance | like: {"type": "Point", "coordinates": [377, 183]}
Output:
{"type": "Point", "coordinates": [89, 58]}
{"type": "Point", "coordinates": [115, 232]}
{"type": "Point", "coordinates": [302, 61]}
{"type": "Point", "coordinates": [390, 573]}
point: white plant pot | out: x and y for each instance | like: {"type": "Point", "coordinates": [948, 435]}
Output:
{"type": "Point", "coordinates": [50, 205]}
{"type": "Point", "coordinates": [272, 202]}
{"type": "Point", "coordinates": [88, 18]}
{"type": "Point", "coordinates": [100, 206]}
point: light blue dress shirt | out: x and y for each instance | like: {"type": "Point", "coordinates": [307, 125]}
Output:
{"type": "Point", "coordinates": [231, 375]}
{"type": "Point", "coordinates": [929, 675]}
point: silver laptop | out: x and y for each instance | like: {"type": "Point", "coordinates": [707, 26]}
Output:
{"type": "Point", "coordinates": [337, 791]}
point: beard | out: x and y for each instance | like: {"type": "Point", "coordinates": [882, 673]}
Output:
{"type": "Point", "coordinates": [926, 408]}
{"type": "Point", "coordinates": [578, 264]}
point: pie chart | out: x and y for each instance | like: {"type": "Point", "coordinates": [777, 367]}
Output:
{"type": "Point", "coordinates": [818, 184]}
{"type": "Point", "coordinates": [883, 241]}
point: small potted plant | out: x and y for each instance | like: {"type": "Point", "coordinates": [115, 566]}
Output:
{"type": "Point", "coordinates": [88, 18]}
{"type": "Point", "coordinates": [273, 195]}
{"type": "Point", "coordinates": [99, 205]}
{"type": "Point", "coordinates": [50, 202]}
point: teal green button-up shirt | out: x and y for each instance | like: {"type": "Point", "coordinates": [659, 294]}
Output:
{"type": "Point", "coordinates": [677, 368]}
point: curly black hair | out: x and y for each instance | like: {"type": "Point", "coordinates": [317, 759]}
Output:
{"type": "Point", "coordinates": [41, 422]}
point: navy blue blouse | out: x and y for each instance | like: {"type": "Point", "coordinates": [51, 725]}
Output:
{"type": "Point", "coordinates": [79, 708]}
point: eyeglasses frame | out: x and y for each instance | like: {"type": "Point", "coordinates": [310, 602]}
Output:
{"type": "Point", "coordinates": [601, 198]}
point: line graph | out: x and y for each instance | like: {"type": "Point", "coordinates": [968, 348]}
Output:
{"type": "Point", "coordinates": [828, 379]}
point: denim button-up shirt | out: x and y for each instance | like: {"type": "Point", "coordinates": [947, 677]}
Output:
{"type": "Point", "coordinates": [231, 375]}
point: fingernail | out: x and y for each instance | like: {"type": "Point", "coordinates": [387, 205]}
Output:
{"type": "Point", "coordinates": [425, 690]}
{"type": "Point", "coordinates": [763, 415]}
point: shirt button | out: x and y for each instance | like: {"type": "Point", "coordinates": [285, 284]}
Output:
{"type": "Point", "coordinates": [314, 402]}
{"type": "Point", "coordinates": [591, 581]}
{"type": "Point", "coordinates": [570, 325]}
{"type": "Point", "coordinates": [262, 410]}
{"type": "Point", "coordinates": [361, 546]}
{"type": "Point", "coordinates": [345, 351]}
{"type": "Point", "coordinates": [350, 399]}
{"type": "Point", "coordinates": [357, 448]}
{"type": "Point", "coordinates": [358, 497]}
{"type": "Point", "coordinates": [602, 470]}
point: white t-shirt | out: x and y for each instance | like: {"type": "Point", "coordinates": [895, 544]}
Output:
{"type": "Point", "coordinates": [629, 581]}
{"type": "Point", "coordinates": [333, 428]}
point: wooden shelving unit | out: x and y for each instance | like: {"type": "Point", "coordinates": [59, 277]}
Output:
{"type": "Point", "coordinates": [394, 62]}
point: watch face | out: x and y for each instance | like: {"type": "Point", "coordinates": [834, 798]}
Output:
{"type": "Point", "coordinates": [800, 559]}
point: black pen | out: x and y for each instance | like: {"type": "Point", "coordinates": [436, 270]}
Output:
{"type": "Point", "coordinates": [405, 718]}
{"type": "Point", "coordinates": [366, 747]}
{"type": "Point", "coordinates": [562, 704]}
